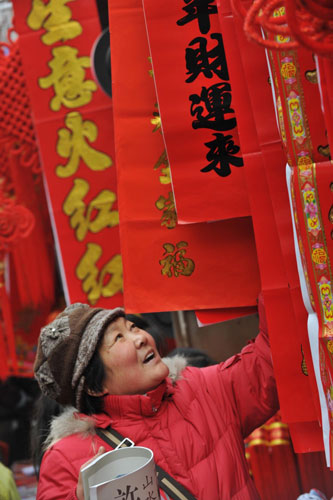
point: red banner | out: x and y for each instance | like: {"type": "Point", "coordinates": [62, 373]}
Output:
{"type": "Point", "coordinates": [325, 80]}
{"type": "Point", "coordinates": [211, 316]}
{"type": "Point", "coordinates": [265, 175]}
{"type": "Point", "coordinates": [73, 121]}
{"type": "Point", "coordinates": [194, 94]}
{"type": "Point", "coordinates": [312, 199]}
{"type": "Point", "coordinates": [166, 266]}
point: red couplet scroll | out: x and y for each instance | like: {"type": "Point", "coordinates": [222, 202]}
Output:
{"type": "Point", "coordinates": [195, 98]}
{"type": "Point", "coordinates": [73, 121]}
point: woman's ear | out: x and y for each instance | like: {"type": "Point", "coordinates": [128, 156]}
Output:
{"type": "Point", "coordinates": [95, 393]}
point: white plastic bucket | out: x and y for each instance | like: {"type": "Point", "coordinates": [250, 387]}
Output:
{"type": "Point", "coordinates": [128, 473]}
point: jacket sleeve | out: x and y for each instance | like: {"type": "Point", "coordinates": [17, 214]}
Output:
{"type": "Point", "coordinates": [58, 477]}
{"type": "Point", "coordinates": [245, 386]}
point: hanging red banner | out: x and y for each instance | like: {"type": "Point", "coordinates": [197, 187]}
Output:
{"type": "Point", "coordinates": [207, 317]}
{"type": "Point", "coordinates": [265, 175]}
{"type": "Point", "coordinates": [325, 81]}
{"type": "Point", "coordinates": [194, 95]}
{"type": "Point", "coordinates": [312, 201]}
{"type": "Point", "coordinates": [73, 121]}
{"type": "Point", "coordinates": [302, 128]}
{"type": "Point", "coordinates": [166, 266]}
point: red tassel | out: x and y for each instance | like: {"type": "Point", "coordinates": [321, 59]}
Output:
{"type": "Point", "coordinates": [8, 329]}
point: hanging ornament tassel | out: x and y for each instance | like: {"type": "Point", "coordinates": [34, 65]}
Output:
{"type": "Point", "coordinates": [16, 222]}
{"type": "Point", "coordinates": [32, 261]}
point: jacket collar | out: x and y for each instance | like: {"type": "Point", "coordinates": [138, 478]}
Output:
{"type": "Point", "coordinates": [134, 406]}
{"type": "Point", "coordinates": [115, 407]}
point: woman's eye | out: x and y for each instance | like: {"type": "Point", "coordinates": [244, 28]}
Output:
{"type": "Point", "coordinates": [118, 336]}
{"type": "Point", "coordinates": [133, 326]}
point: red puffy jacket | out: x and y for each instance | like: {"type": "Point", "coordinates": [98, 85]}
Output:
{"type": "Point", "coordinates": [195, 427]}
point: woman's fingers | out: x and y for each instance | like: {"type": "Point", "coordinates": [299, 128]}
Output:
{"type": "Point", "coordinates": [79, 487]}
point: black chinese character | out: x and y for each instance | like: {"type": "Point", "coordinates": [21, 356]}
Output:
{"type": "Point", "coordinates": [205, 61]}
{"type": "Point", "coordinates": [128, 494]}
{"type": "Point", "coordinates": [150, 496]}
{"type": "Point", "coordinates": [221, 155]}
{"type": "Point", "coordinates": [201, 10]}
{"type": "Point", "coordinates": [216, 102]}
{"type": "Point", "coordinates": [147, 483]}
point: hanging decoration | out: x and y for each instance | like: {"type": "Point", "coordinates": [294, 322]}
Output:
{"type": "Point", "coordinates": [296, 22]}
{"type": "Point", "coordinates": [196, 104]}
{"type": "Point", "coordinates": [264, 161]}
{"type": "Point", "coordinates": [73, 120]}
{"type": "Point", "coordinates": [167, 266]}
{"type": "Point", "coordinates": [29, 266]}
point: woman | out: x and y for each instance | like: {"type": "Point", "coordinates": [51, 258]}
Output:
{"type": "Point", "coordinates": [195, 422]}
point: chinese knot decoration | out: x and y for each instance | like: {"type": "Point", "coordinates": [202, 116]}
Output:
{"type": "Point", "coordinates": [16, 222]}
{"type": "Point", "coordinates": [308, 23]}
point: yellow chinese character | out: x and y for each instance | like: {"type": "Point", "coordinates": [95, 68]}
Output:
{"type": "Point", "coordinates": [150, 71]}
{"type": "Point", "coordinates": [175, 261]}
{"type": "Point", "coordinates": [165, 178]}
{"type": "Point", "coordinates": [169, 216]}
{"type": "Point", "coordinates": [95, 283]}
{"type": "Point", "coordinates": [55, 18]}
{"type": "Point", "coordinates": [67, 76]}
{"type": "Point", "coordinates": [96, 217]}
{"type": "Point", "coordinates": [73, 145]}
{"type": "Point", "coordinates": [156, 121]}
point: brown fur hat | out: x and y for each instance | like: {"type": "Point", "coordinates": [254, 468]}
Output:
{"type": "Point", "coordinates": [65, 348]}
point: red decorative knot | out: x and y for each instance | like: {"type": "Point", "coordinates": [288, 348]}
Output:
{"type": "Point", "coordinates": [296, 22]}
{"type": "Point", "coordinates": [16, 124]}
{"type": "Point", "coordinates": [16, 222]}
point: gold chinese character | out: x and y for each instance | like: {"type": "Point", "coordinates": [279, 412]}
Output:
{"type": "Point", "coordinates": [150, 71]}
{"type": "Point", "coordinates": [169, 216]}
{"type": "Point", "coordinates": [96, 217]}
{"type": "Point", "coordinates": [55, 18]}
{"type": "Point", "coordinates": [73, 145]}
{"type": "Point", "coordinates": [95, 283]}
{"type": "Point", "coordinates": [156, 121]}
{"type": "Point", "coordinates": [165, 177]}
{"type": "Point", "coordinates": [67, 76]}
{"type": "Point", "coordinates": [175, 261]}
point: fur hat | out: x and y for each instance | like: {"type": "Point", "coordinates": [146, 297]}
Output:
{"type": "Point", "coordinates": [65, 348]}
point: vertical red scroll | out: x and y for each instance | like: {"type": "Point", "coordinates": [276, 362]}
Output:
{"type": "Point", "coordinates": [194, 94]}
{"type": "Point", "coordinates": [73, 120]}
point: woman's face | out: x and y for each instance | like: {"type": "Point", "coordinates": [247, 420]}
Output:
{"type": "Point", "coordinates": [131, 360]}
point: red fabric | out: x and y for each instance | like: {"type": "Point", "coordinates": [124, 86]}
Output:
{"type": "Point", "coordinates": [314, 473]}
{"type": "Point", "coordinates": [195, 427]}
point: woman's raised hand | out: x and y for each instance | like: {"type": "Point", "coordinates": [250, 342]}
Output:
{"type": "Point", "coordinates": [79, 487]}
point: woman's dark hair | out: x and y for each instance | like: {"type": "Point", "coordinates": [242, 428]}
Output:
{"type": "Point", "coordinates": [94, 379]}
{"type": "Point", "coordinates": [45, 409]}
